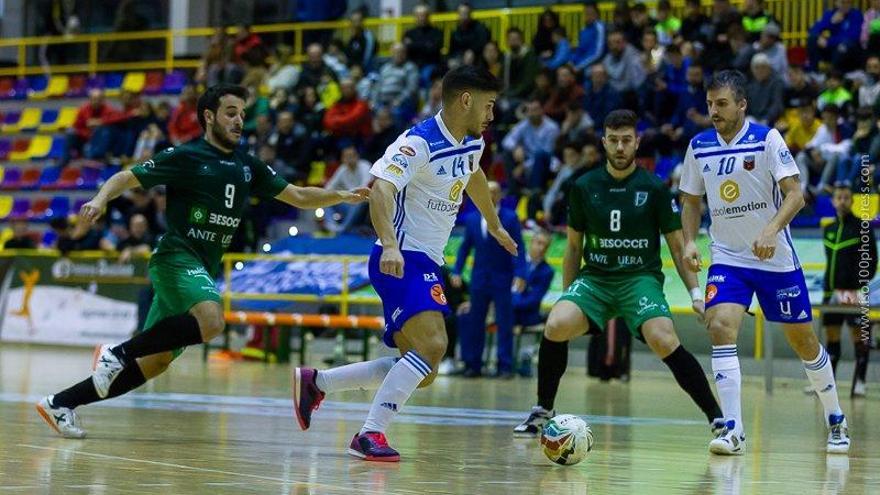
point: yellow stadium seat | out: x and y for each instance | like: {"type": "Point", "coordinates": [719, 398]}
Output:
{"type": "Point", "coordinates": [2, 173]}
{"type": "Point", "coordinates": [57, 87]}
{"type": "Point", "coordinates": [5, 206]}
{"type": "Point", "coordinates": [134, 82]}
{"type": "Point", "coordinates": [38, 147]}
{"type": "Point", "coordinates": [5, 235]}
{"type": "Point", "coordinates": [866, 203]}
{"type": "Point", "coordinates": [66, 117]}
{"type": "Point", "coordinates": [30, 119]}
{"type": "Point", "coordinates": [316, 176]}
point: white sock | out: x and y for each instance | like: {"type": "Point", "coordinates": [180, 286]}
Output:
{"type": "Point", "coordinates": [366, 375]}
{"type": "Point", "coordinates": [728, 381]}
{"type": "Point", "coordinates": [399, 384]}
{"type": "Point", "coordinates": [822, 377]}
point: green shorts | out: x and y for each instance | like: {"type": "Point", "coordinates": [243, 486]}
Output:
{"type": "Point", "coordinates": [179, 282]}
{"type": "Point", "coordinates": [634, 297]}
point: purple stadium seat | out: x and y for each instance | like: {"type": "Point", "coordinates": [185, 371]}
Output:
{"type": "Point", "coordinates": [12, 117]}
{"type": "Point", "coordinates": [97, 81]}
{"type": "Point", "coordinates": [90, 178]}
{"type": "Point", "coordinates": [77, 204]}
{"type": "Point", "coordinates": [20, 208]}
{"type": "Point", "coordinates": [5, 148]}
{"type": "Point", "coordinates": [11, 179]}
{"type": "Point", "coordinates": [174, 82]}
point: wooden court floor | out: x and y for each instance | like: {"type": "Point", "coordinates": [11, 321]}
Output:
{"type": "Point", "coordinates": [226, 427]}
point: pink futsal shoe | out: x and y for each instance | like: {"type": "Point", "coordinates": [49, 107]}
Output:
{"type": "Point", "coordinates": [306, 395]}
{"type": "Point", "coordinates": [372, 446]}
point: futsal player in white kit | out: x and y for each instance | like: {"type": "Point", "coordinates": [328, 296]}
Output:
{"type": "Point", "coordinates": [419, 186]}
{"type": "Point", "coordinates": [751, 181]}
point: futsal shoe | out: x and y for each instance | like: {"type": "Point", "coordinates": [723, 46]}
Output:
{"type": "Point", "coordinates": [532, 426]}
{"type": "Point", "coordinates": [838, 435]}
{"type": "Point", "coordinates": [717, 426]}
{"type": "Point", "coordinates": [61, 419]}
{"type": "Point", "coordinates": [105, 368]}
{"type": "Point", "coordinates": [728, 441]}
{"type": "Point", "coordinates": [306, 395]}
{"type": "Point", "coordinates": [372, 446]}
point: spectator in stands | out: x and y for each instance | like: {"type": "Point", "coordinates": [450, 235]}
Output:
{"type": "Point", "coordinates": [521, 67]}
{"type": "Point", "coordinates": [561, 50]}
{"type": "Point", "coordinates": [528, 148]}
{"type": "Point", "coordinates": [217, 65]}
{"type": "Point", "coordinates": [740, 51]}
{"type": "Point", "coordinates": [696, 26]}
{"type": "Point", "coordinates": [281, 74]}
{"type": "Point", "coordinates": [336, 59]}
{"type": "Point", "coordinates": [384, 133]}
{"type": "Point", "coordinates": [363, 83]}
{"type": "Point", "coordinates": [591, 39]}
{"type": "Point", "coordinates": [434, 101]}
{"type": "Point", "coordinates": [491, 59]}
{"type": "Point", "coordinates": [494, 273]}
{"type": "Point", "coordinates": [310, 111]}
{"type": "Point", "coordinates": [424, 44]}
{"type": "Point", "coordinates": [469, 35]}
{"type": "Point", "coordinates": [691, 113]}
{"type": "Point", "coordinates": [652, 51]}
{"type": "Point", "coordinates": [155, 135]}
{"type": "Point", "coordinates": [871, 28]}
{"type": "Point", "coordinates": [566, 92]}
{"type": "Point", "coordinates": [835, 93]}
{"type": "Point", "coordinates": [755, 19]}
{"type": "Point", "coordinates": [538, 277]}
{"type": "Point", "coordinates": [668, 26]}
{"type": "Point", "coordinates": [543, 43]}
{"type": "Point", "coordinates": [601, 97]}
{"type": "Point", "coordinates": [799, 89]}
{"type": "Point", "coordinates": [350, 117]}
{"type": "Point", "coordinates": [804, 128]}
{"type": "Point", "coordinates": [622, 20]}
{"type": "Point", "coordinates": [623, 64]}
{"type": "Point", "coordinates": [184, 123]}
{"type": "Point", "coordinates": [398, 85]}
{"type": "Point", "coordinates": [353, 172]}
{"type": "Point", "coordinates": [139, 242]}
{"type": "Point", "coordinates": [641, 22]}
{"type": "Point", "coordinates": [248, 47]}
{"type": "Point", "coordinates": [543, 86]}
{"type": "Point", "coordinates": [88, 118]}
{"type": "Point", "coordinates": [21, 238]}
{"type": "Point", "coordinates": [818, 160]}
{"type": "Point", "coordinates": [770, 44]}
{"type": "Point", "coordinates": [116, 137]}
{"type": "Point", "coordinates": [577, 123]}
{"type": "Point", "coordinates": [292, 146]}
{"type": "Point", "coordinates": [78, 237]}
{"type": "Point", "coordinates": [865, 144]}
{"type": "Point", "coordinates": [835, 38]}
{"type": "Point", "coordinates": [764, 92]}
{"type": "Point", "coordinates": [315, 69]}
{"type": "Point", "coordinates": [574, 164]}
{"type": "Point", "coordinates": [869, 91]}
{"type": "Point", "coordinates": [361, 47]}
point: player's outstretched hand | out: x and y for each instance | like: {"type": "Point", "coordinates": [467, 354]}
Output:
{"type": "Point", "coordinates": [358, 195]}
{"type": "Point", "coordinates": [92, 211]}
{"type": "Point", "coordinates": [505, 240]}
{"type": "Point", "coordinates": [391, 262]}
{"type": "Point", "coordinates": [691, 256]}
{"type": "Point", "coordinates": [699, 307]}
{"type": "Point", "coordinates": [764, 246]}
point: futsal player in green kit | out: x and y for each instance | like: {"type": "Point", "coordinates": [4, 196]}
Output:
{"type": "Point", "coordinates": [209, 181]}
{"type": "Point", "coordinates": [616, 214]}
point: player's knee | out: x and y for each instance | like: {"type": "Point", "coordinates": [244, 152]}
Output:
{"type": "Point", "coordinates": [557, 329]}
{"type": "Point", "coordinates": [428, 379]}
{"type": "Point", "coordinates": [211, 325]}
{"type": "Point", "coordinates": [720, 325]}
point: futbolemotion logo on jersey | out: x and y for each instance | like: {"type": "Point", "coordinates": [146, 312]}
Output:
{"type": "Point", "coordinates": [198, 215]}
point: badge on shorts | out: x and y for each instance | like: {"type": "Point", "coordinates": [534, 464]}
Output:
{"type": "Point", "coordinates": [641, 197]}
{"type": "Point", "coordinates": [437, 294]}
{"type": "Point", "coordinates": [711, 292]}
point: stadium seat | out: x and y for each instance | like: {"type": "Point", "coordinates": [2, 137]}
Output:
{"type": "Point", "coordinates": [78, 204]}
{"type": "Point", "coordinates": [48, 119]}
{"type": "Point", "coordinates": [10, 121]}
{"type": "Point", "coordinates": [56, 87]}
{"type": "Point", "coordinates": [30, 179]}
{"type": "Point", "coordinates": [59, 207]}
{"type": "Point", "coordinates": [76, 87]}
{"type": "Point", "coordinates": [90, 178]}
{"type": "Point", "coordinates": [20, 207]}
{"type": "Point", "coordinates": [5, 206]}
{"type": "Point", "coordinates": [5, 148]}
{"type": "Point", "coordinates": [49, 238]}
{"type": "Point", "coordinates": [154, 82]}
{"type": "Point", "coordinates": [70, 178]}
{"type": "Point", "coordinates": [57, 148]}
{"type": "Point", "coordinates": [108, 172]}
{"type": "Point", "coordinates": [30, 119]}
{"type": "Point", "coordinates": [41, 146]}
{"type": "Point", "coordinates": [37, 85]}
{"type": "Point", "coordinates": [18, 152]}
{"type": "Point", "coordinates": [11, 179]}
{"type": "Point", "coordinates": [38, 208]}
{"type": "Point", "coordinates": [113, 83]}
{"type": "Point", "coordinates": [98, 81]}
{"type": "Point", "coordinates": [13, 89]}
{"type": "Point", "coordinates": [49, 178]}
{"type": "Point", "coordinates": [873, 202]}
{"type": "Point", "coordinates": [63, 120]}
{"type": "Point", "coordinates": [174, 82]}
{"type": "Point", "coordinates": [134, 82]}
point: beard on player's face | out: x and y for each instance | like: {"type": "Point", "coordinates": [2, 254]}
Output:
{"type": "Point", "coordinates": [224, 135]}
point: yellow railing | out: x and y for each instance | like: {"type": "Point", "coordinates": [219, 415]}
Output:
{"type": "Point", "coordinates": [796, 18]}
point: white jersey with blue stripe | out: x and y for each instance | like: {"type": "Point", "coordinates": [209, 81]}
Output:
{"type": "Point", "coordinates": [741, 182]}
{"type": "Point", "coordinates": [430, 170]}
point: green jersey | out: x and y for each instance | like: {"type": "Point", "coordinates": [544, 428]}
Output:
{"type": "Point", "coordinates": [207, 189]}
{"type": "Point", "coordinates": [622, 220]}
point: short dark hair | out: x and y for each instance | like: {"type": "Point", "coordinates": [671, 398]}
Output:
{"type": "Point", "coordinates": [469, 78]}
{"type": "Point", "coordinates": [515, 29]}
{"type": "Point", "coordinates": [210, 99]}
{"type": "Point", "coordinates": [619, 119]}
{"type": "Point", "coordinates": [733, 79]}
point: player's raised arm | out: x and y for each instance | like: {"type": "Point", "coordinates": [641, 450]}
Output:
{"type": "Point", "coordinates": [478, 190]}
{"type": "Point", "coordinates": [112, 189]}
{"type": "Point", "coordinates": [316, 197]}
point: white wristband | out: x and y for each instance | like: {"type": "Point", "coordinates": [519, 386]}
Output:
{"type": "Point", "coordinates": [696, 294]}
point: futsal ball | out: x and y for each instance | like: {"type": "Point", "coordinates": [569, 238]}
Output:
{"type": "Point", "coordinates": [566, 439]}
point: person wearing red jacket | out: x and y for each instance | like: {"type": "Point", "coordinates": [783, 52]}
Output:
{"type": "Point", "coordinates": [350, 116]}
{"type": "Point", "coordinates": [118, 129]}
{"type": "Point", "coordinates": [88, 118]}
{"type": "Point", "coordinates": [184, 125]}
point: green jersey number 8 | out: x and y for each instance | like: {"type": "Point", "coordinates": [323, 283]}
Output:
{"type": "Point", "coordinates": [230, 195]}
{"type": "Point", "coordinates": [615, 221]}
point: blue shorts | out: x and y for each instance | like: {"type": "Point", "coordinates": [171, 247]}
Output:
{"type": "Point", "coordinates": [420, 289]}
{"type": "Point", "coordinates": [783, 296]}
